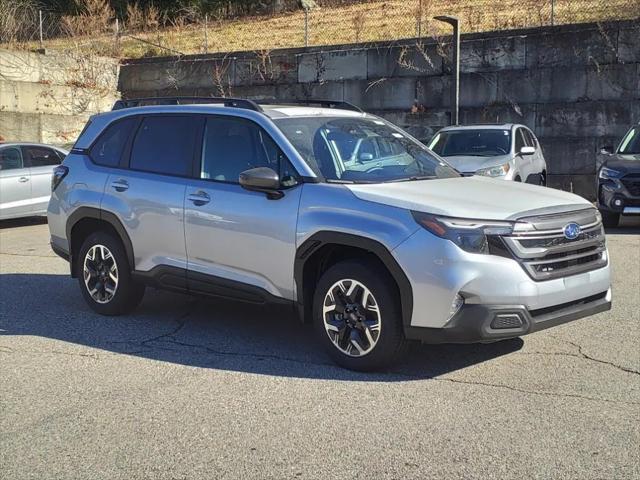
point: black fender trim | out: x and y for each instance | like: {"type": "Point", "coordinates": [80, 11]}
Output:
{"type": "Point", "coordinates": [108, 217]}
{"type": "Point", "coordinates": [319, 239]}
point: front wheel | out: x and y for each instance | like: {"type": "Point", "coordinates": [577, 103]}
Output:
{"type": "Point", "coordinates": [357, 316]}
{"type": "Point", "coordinates": [105, 276]}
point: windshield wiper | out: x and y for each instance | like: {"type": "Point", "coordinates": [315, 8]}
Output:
{"type": "Point", "coordinates": [411, 179]}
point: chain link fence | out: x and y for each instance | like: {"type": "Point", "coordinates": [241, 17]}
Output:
{"type": "Point", "coordinates": [149, 34]}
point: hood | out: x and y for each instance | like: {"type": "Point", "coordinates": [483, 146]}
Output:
{"type": "Point", "coordinates": [473, 163]}
{"type": "Point", "coordinates": [623, 163]}
{"type": "Point", "coordinates": [471, 197]}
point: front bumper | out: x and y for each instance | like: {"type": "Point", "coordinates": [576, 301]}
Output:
{"type": "Point", "coordinates": [490, 323]}
{"type": "Point", "coordinates": [615, 198]}
{"type": "Point", "coordinates": [438, 271]}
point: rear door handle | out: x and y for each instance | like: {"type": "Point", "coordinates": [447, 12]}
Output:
{"type": "Point", "coordinates": [120, 185]}
{"type": "Point", "coordinates": [23, 179]}
{"type": "Point", "coordinates": [199, 198]}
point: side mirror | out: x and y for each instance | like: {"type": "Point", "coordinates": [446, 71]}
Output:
{"type": "Point", "coordinates": [262, 179]}
{"type": "Point", "coordinates": [527, 150]}
{"type": "Point", "coordinates": [606, 150]}
{"type": "Point", "coordinates": [365, 157]}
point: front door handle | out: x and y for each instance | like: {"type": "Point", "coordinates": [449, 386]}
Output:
{"type": "Point", "coordinates": [23, 179]}
{"type": "Point", "coordinates": [199, 198]}
{"type": "Point", "coordinates": [120, 185]}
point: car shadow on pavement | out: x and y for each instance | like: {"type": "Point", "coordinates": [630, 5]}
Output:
{"type": "Point", "coordinates": [202, 333]}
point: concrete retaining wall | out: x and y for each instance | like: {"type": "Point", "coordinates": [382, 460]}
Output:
{"type": "Point", "coordinates": [48, 98]}
{"type": "Point", "coordinates": [576, 86]}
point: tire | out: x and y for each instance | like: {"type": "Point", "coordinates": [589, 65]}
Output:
{"type": "Point", "coordinates": [110, 297]}
{"type": "Point", "coordinates": [609, 219]}
{"type": "Point", "coordinates": [543, 179]}
{"type": "Point", "coordinates": [517, 179]}
{"type": "Point", "coordinates": [389, 344]}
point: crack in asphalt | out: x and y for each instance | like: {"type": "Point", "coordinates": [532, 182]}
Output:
{"type": "Point", "coordinates": [582, 354]}
{"type": "Point", "coordinates": [156, 342]}
{"type": "Point", "coordinates": [168, 338]}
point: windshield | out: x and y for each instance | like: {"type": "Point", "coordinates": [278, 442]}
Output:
{"type": "Point", "coordinates": [361, 150]}
{"type": "Point", "coordinates": [480, 143]}
{"type": "Point", "coordinates": [630, 143]}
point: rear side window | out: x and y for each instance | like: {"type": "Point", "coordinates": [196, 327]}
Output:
{"type": "Point", "coordinates": [108, 149]}
{"type": "Point", "coordinates": [40, 156]}
{"type": "Point", "coordinates": [10, 158]}
{"type": "Point", "coordinates": [164, 144]}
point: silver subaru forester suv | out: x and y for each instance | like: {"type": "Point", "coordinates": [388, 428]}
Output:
{"type": "Point", "coordinates": [360, 228]}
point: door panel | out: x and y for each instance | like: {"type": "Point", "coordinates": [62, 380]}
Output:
{"type": "Point", "coordinates": [41, 162]}
{"type": "Point", "coordinates": [242, 236]}
{"type": "Point", "coordinates": [15, 184]}
{"type": "Point", "coordinates": [150, 207]}
{"type": "Point", "coordinates": [233, 233]}
{"type": "Point", "coordinates": [148, 197]}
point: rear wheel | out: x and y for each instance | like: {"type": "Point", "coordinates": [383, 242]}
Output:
{"type": "Point", "coordinates": [610, 219]}
{"type": "Point", "coordinates": [105, 276]}
{"type": "Point", "coordinates": [357, 316]}
{"type": "Point", "coordinates": [543, 179]}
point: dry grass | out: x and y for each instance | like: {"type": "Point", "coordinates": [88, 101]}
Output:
{"type": "Point", "coordinates": [365, 22]}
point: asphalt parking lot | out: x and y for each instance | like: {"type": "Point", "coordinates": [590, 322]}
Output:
{"type": "Point", "coordinates": [194, 389]}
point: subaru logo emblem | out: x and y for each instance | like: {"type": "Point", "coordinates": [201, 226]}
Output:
{"type": "Point", "coordinates": [571, 231]}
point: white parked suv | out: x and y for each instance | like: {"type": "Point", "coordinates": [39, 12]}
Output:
{"type": "Point", "coordinates": [507, 151]}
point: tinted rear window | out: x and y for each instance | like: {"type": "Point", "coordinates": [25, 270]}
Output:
{"type": "Point", "coordinates": [109, 147]}
{"type": "Point", "coordinates": [164, 144]}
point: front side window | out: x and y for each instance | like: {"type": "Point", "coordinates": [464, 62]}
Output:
{"type": "Point", "coordinates": [630, 144]}
{"type": "Point", "coordinates": [233, 145]}
{"type": "Point", "coordinates": [108, 149]}
{"type": "Point", "coordinates": [530, 138]}
{"type": "Point", "coordinates": [164, 144]}
{"type": "Point", "coordinates": [519, 140]}
{"type": "Point", "coordinates": [467, 142]}
{"type": "Point", "coordinates": [361, 150]}
{"type": "Point", "coordinates": [10, 158]}
{"type": "Point", "coordinates": [40, 156]}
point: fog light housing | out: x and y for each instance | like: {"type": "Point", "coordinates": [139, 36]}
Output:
{"type": "Point", "coordinates": [456, 305]}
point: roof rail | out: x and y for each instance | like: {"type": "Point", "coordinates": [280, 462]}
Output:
{"type": "Point", "coordinates": [227, 102]}
{"type": "Point", "coordinates": [311, 101]}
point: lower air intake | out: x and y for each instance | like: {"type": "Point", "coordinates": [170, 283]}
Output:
{"type": "Point", "coordinates": [506, 320]}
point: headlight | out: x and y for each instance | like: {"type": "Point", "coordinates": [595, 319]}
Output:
{"type": "Point", "coordinates": [497, 171]}
{"type": "Point", "coordinates": [607, 173]}
{"type": "Point", "coordinates": [469, 235]}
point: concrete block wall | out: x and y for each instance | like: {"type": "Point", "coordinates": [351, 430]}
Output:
{"type": "Point", "coordinates": [48, 98]}
{"type": "Point", "coordinates": [576, 86]}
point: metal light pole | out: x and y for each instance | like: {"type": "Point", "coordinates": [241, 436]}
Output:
{"type": "Point", "coordinates": [455, 66]}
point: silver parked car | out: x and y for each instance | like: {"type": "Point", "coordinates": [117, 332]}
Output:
{"type": "Point", "coordinates": [268, 203]}
{"type": "Point", "coordinates": [508, 151]}
{"type": "Point", "coordinates": [25, 178]}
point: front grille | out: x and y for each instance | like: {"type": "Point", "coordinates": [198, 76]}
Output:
{"type": "Point", "coordinates": [545, 253]}
{"type": "Point", "coordinates": [632, 184]}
